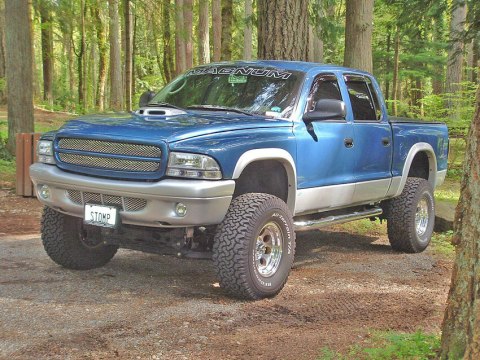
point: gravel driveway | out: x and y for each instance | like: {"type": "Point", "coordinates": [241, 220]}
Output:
{"type": "Point", "coordinates": [143, 306]}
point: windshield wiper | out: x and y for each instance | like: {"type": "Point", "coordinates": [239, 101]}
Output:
{"type": "Point", "coordinates": [165, 104]}
{"type": "Point", "coordinates": [219, 108]}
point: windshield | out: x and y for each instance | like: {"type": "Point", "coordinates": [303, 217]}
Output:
{"type": "Point", "coordinates": [256, 90]}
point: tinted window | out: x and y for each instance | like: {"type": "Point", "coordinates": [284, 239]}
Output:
{"type": "Point", "coordinates": [360, 98]}
{"type": "Point", "coordinates": [374, 95]}
{"type": "Point", "coordinates": [325, 86]}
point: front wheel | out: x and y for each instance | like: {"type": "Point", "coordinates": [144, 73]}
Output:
{"type": "Point", "coordinates": [411, 217]}
{"type": "Point", "coordinates": [254, 246]}
{"type": "Point", "coordinates": [70, 245]}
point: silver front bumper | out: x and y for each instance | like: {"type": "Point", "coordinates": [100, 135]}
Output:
{"type": "Point", "coordinates": [207, 202]}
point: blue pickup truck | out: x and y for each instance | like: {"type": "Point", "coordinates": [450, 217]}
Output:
{"type": "Point", "coordinates": [228, 161]}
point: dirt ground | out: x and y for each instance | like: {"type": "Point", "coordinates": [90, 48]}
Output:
{"type": "Point", "coordinates": [143, 306]}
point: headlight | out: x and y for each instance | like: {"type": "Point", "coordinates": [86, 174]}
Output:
{"type": "Point", "coordinates": [193, 166]}
{"type": "Point", "coordinates": [45, 152]}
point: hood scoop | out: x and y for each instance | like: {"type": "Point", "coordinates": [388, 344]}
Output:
{"type": "Point", "coordinates": [159, 111]}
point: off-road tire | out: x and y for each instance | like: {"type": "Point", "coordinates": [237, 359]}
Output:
{"type": "Point", "coordinates": [401, 217]}
{"type": "Point", "coordinates": [236, 245]}
{"type": "Point", "coordinates": [61, 238]}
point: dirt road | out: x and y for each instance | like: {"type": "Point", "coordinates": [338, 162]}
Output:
{"type": "Point", "coordinates": [143, 306]}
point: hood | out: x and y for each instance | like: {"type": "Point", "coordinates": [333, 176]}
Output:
{"type": "Point", "coordinates": [163, 128]}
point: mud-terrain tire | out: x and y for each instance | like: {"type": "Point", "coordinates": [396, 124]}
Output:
{"type": "Point", "coordinates": [411, 217]}
{"type": "Point", "coordinates": [254, 246]}
{"type": "Point", "coordinates": [63, 242]}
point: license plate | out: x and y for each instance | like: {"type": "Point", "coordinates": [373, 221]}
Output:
{"type": "Point", "coordinates": [101, 215]}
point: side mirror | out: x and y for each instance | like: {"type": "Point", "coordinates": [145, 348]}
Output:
{"type": "Point", "coordinates": [146, 97]}
{"type": "Point", "coordinates": [326, 109]}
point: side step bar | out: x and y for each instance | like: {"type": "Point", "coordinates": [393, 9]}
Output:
{"type": "Point", "coordinates": [338, 219]}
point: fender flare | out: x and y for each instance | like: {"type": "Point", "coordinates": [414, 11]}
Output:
{"type": "Point", "coordinates": [280, 155]}
{"type": "Point", "coordinates": [432, 161]}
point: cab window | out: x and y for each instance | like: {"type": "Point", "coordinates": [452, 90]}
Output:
{"type": "Point", "coordinates": [363, 103]}
{"type": "Point", "coordinates": [325, 86]}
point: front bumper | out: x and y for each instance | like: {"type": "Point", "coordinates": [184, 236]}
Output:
{"type": "Point", "coordinates": [207, 202]}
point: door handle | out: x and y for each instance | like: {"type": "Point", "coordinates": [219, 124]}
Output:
{"type": "Point", "coordinates": [348, 142]}
{"type": "Point", "coordinates": [386, 141]}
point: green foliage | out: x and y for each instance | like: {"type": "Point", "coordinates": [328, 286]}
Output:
{"type": "Point", "coordinates": [4, 153]}
{"type": "Point", "coordinates": [390, 345]}
{"type": "Point", "coordinates": [442, 244]}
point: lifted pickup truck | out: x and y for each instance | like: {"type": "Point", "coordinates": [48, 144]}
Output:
{"type": "Point", "coordinates": [230, 160]}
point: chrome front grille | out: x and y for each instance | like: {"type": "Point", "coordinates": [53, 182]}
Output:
{"type": "Point", "coordinates": [109, 163]}
{"type": "Point", "coordinates": [95, 154]}
{"type": "Point", "coordinates": [110, 147]}
{"type": "Point", "coordinates": [125, 203]}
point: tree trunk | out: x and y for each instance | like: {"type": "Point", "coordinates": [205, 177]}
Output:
{"type": "Point", "coordinates": [128, 55]}
{"type": "Point", "coordinates": [188, 21]}
{"type": "Point", "coordinates": [3, 98]}
{"type": "Point", "coordinates": [395, 81]}
{"type": "Point", "coordinates": [461, 324]}
{"type": "Point", "coordinates": [455, 52]}
{"type": "Point", "coordinates": [81, 55]}
{"type": "Point", "coordinates": [217, 29]}
{"type": "Point", "coordinates": [282, 29]}
{"type": "Point", "coordinates": [167, 43]}
{"type": "Point", "coordinates": [248, 33]}
{"type": "Point", "coordinates": [203, 33]}
{"type": "Point", "coordinates": [180, 48]}
{"type": "Point", "coordinates": [310, 47]}
{"type": "Point", "coordinates": [102, 54]}
{"type": "Point", "coordinates": [47, 50]}
{"type": "Point", "coordinates": [358, 35]}
{"type": "Point", "coordinates": [116, 88]}
{"type": "Point", "coordinates": [317, 45]}
{"type": "Point", "coordinates": [388, 63]}
{"type": "Point", "coordinates": [227, 29]}
{"type": "Point", "coordinates": [18, 69]}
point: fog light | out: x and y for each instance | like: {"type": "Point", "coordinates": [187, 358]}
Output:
{"type": "Point", "coordinates": [44, 192]}
{"type": "Point", "coordinates": [181, 209]}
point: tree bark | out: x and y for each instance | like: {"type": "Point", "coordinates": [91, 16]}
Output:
{"type": "Point", "coordinates": [128, 55]}
{"type": "Point", "coordinates": [180, 49]}
{"type": "Point", "coordinates": [18, 69]}
{"type": "Point", "coordinates": [167, 43]}
{"type": "Point", "coordinates": [461, 324]}
{"type": "Point", "coordinates": [358, 35]}
{"type": "Point", "coordinates": [248, 33]}
{"type": "Point", "coordinates": [203, 33]}
{"type": "Point", "coordinates": [47, 50]}
{"type": "Point", "coordinates": [188, 20]}
{"type": "Point", "coordinates": [317, 46]}
{"type": "Point", "coordinates": [395, 82]}
{"type": "Point", "coordinates": [282, 29]}
{"type": "Point", "coordinates": [217, 29]}
{"type": "Point", "coordinates": [102, 54]}
{"type": "Point", "coordinates": [116, 88]}
{"type": "Point", "coordinates": [3, 98]}
{"type": "Point", "coordinates": [227, 29]}
{"type": "Point", "coordinates": [455, 52]}
{"type": "Point", "coordinates": [81, 56]}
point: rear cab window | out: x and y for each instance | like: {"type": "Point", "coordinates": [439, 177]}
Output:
{"type": "Point", "coordinates": [363, 98]}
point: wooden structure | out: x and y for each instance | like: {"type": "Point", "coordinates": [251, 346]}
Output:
{"type": "Point", "coordinates": [25, 156]}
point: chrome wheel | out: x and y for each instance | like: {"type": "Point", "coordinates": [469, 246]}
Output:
{"type": "Point", "coordinates": [268, 249]}
{"type": "Point", "coordinates": [422, 216]}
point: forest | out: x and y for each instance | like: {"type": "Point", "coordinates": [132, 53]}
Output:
{"type": "Point", "coordinates": [86, 56]}
{"type": "Point", "coordinates": [91, 55]}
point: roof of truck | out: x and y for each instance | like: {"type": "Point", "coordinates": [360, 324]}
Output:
{"type": "Point", "coordinates": [303, 66]}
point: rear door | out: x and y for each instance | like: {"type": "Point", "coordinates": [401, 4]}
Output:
{"type": "Point", "coordinates": [372, 139]}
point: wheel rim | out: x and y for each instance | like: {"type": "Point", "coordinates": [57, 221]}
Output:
{"type": "Point", "coordinates": [268, 249]}
{"type": "Point", "coordinates": [422, 216]}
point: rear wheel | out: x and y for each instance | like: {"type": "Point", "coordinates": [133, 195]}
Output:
{"type": "Point", "coordinates": [70, 245]}
{"type": "Point", "coordinates": [254, 246]}
{"type": "Point", "coordinates": [411, 217]}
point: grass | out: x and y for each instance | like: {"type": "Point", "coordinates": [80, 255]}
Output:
{"type": "Point", "coordinates": [442, 244]}
{"type": "Point", "coordinates": [390, 345]}
{"type": "Point", "coordinates": [449, 191]}
{"type": "Point", "coordinates": [7, 171]}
